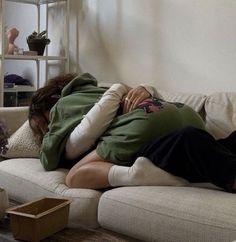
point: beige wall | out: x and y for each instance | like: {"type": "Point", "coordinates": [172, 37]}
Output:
{"type": "Point", "coordinates": [180, 45]}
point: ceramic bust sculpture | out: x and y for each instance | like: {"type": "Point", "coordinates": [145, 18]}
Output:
{"type": "Point", "coordinates": [11, 34]}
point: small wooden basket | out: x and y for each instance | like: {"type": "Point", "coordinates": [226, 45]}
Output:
{"type": "Point", "coordinates": [39, 219]}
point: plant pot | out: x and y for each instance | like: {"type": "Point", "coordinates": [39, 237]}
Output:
{"type": "Point", "coordinates": [37, 45]}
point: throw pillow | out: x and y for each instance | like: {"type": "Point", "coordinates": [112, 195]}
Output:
{"type": "Point", "coordinates": [22, 143]}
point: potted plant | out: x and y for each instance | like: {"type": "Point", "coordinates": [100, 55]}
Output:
{"type": "Point", "coordinates": [38, 41]}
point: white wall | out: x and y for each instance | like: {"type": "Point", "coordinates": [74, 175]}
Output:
{"type": "Point", "coordinates": [179, 45]}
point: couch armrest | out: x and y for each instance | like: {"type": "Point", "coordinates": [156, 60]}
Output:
{"type": "Point", "coordinates": [14, 117]}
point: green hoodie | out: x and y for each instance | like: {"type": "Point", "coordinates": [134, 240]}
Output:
{"type": "Point", "coordinates": [131, 131]}
{"type": "Point", "coordinates": [77, 98]}
{"type": "Point", "coordinates": [124, 137]}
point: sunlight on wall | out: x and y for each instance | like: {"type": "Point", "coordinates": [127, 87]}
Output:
{"type": "Point", "coordinates": [186, 45]}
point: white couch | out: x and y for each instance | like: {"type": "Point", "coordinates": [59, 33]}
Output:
{"type": "Point", "coordinates": [195, 213]}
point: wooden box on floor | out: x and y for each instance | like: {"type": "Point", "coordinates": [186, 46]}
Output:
{"type": "Point", "coordinates": [39, 219]}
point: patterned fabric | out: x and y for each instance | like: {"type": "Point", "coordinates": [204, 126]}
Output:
{"type": "Point", "coordinates": [154, 104]}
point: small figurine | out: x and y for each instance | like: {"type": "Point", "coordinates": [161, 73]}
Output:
{"type": "Point", "coordinates": [11, 34]}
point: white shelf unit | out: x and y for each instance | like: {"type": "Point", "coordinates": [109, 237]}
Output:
{"type": "Point", "coordinates": [37, 59]}
{"type": "Point", "coordinates": [20, 88]}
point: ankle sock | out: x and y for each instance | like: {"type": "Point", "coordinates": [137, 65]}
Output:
{"type": "Point", "coordinates": [142, 173]}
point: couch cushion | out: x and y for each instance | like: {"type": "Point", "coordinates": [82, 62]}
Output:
{"type": "Point", "coordinates": [221, 113]}
{"type": "Point", "coordinates": [26, 180]}
{"type": "Point", "coordinates": [195, 101]}
{"type": "Point", "coordinates": [169, 213]}
{"type": "Point", "coordinates": [14, 117]}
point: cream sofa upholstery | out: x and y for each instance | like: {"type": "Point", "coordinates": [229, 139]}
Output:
{"type": "Point", "coordinates": [196, 213]}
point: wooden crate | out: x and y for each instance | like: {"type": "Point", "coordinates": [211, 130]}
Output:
{"type": "Point", "coordinates": [39, 219]}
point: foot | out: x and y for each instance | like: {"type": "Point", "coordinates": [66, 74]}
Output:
{"type": "Point", "coordinates": [144, 172]}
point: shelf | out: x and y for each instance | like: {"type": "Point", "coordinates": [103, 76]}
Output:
{"type": "Point", "coordinates": [32, 57]}
{"type": "Point", "coordinates": [20, 88]}
{"type": "Point", "coordinates": [14, 63]}
{"type": "Point", "coordinates": [36, 2]}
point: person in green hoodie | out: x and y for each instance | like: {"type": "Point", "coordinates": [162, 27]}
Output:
{"type": "Point", "coordinates": [57, 110]}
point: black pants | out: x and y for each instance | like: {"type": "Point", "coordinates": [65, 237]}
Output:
{"type": "Point", "coordinates": [195, 155]}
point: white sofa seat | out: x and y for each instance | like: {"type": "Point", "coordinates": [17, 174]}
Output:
{"type": "Point", "coordinates": [169, 213]}
{"type": "Point", "coordinates": [25, 180]}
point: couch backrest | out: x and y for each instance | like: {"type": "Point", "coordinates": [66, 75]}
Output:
{"type": "Point", "coordinates": [195, 101]}
{"type": "Point", "coordinates": [220, 109]}
{"type": "Point", "coordinates": [14, 117]}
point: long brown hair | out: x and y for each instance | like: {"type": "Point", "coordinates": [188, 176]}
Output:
{"type": "Point", "coordinates": [45, 98]}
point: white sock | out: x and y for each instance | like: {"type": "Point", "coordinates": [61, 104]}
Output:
{"type": "Point", "coordinates": [142, 173]}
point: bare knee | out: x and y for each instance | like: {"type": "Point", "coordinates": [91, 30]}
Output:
{"type": "Point", "coordinates": [78, 178]}
{"type": "Point", "coordinates": [93, 175]}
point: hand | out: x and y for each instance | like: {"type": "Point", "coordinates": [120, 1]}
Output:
{"type": "Point", "coordinates": [134, 97]}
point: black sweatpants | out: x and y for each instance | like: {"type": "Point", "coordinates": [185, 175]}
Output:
{"type": "Point", "coordinates": [195, 155]}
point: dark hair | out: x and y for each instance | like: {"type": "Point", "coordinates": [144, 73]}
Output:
{"type": "Point", "coordinates": [46, 97]}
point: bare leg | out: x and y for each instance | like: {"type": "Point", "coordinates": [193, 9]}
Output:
{"type": "Point", "coordinates": [92, 175]}
{"type": "Point", "coordinates": [90, 172]}
{"type": "Point", "coordinates": [95, 173]}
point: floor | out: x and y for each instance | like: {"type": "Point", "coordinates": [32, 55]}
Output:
{"type": "Point", "coordinates": [68, 235]}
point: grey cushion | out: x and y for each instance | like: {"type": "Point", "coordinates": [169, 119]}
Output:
{"type": "Point", "coordinates": [167, 214]}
